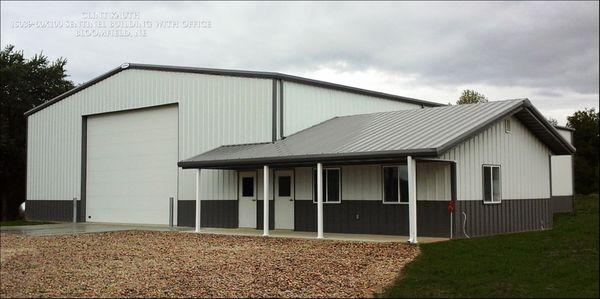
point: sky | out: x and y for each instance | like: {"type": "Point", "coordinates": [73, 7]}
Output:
{"type": "Point", "coordinates": [545, 51]}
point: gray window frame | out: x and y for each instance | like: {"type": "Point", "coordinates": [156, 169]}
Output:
{"type": "Point", "coordinates": [326, 195]}
{"type": "Point", "coordinates": [399, 201]}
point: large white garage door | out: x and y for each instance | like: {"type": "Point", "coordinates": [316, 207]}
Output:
{"type": "Point", "coordinates": [131, 166]}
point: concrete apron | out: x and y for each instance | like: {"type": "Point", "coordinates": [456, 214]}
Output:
{"type": "Point", "coordinates": [82, 228]}
{"type": "Point", "coordinates": [88, 227]}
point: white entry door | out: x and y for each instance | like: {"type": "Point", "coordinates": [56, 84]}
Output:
{"type": "Point", "coordinates": [284, 199]}
{"type": "Point", "coordinates": [247, 199]}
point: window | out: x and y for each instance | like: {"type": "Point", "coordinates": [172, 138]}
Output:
{"type": "Point", "coordinates": [507, 125]}
{"type": "Point", "coordinates": [331, 185]}
{"type": "Point", "coordinates": [395, 184]}
{"type": "Point", "coordinates": [247, 187]}
{"type": "Point", "coordinates": [491, 184]}
{"type": "Point", "coordinates": [284, 185]}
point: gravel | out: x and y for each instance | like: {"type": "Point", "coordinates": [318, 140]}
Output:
{"type": "Point", "coordinates": [175, 264]}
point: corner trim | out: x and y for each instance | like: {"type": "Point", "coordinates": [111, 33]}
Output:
{"type": "Point", "coordinates": [281, 112]}
{"type": "Point", "coordinates": [274, 111]}
{"type": "Point", "coordinates": [83, 187]}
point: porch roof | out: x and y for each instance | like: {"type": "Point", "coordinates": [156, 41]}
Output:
{"type": "Point", "coordinates": [425, 132]}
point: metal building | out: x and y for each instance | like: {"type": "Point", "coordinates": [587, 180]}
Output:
{"type": "Point", "coordinates": [114, 144]}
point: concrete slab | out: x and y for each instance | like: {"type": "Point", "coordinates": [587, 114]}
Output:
{"type": "Point", "coordinates": [280, 233]}
{"type": "Point", "coordinates": [82, 228]}
{"type": "Point", "coordinates": [94, 227]}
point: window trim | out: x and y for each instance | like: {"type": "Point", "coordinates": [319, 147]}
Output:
{"type": "Point", "coordinates": [314, 186]}
{"type": "Point", "coordinates": [292, 187]}
{"type": "Point", "coordinates": [483, 167]}
{"type": "Point", "coordinates": [507, 126]}
{"type": "Point", "coordinates": [254, 185]}
{"type": "Point", "coordinates": [399, 202]}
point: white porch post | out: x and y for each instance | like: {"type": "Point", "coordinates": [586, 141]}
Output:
{"type": "Point", "coordinates": [319, 201]}
{"type": "Point", "coordinates": [265, 200]}
{"type": "Point", "coordinates": [198, 200]}
{"type": "Point", "coordinates": [412, 199]}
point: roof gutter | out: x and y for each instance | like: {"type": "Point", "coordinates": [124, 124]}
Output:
{"type": "Point", "coordinates": [540, 118]}
{"type": "Point", "coordinates": [306, 159]}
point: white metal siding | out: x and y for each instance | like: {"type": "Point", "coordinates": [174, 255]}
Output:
{"type": "Point", "coordinates": [524, 161]}
{"type": "Point", "coordinates": [433, 181]}
{"type": "Point", "coordinates": [566, 134]}
{"type": "Point", "coordinates": [306, 105]}
{"type": "Point", "coordinates": [213, 110]}
{"type": "Point", "coordinates": [562, 175]}
{"type": "Point", "coordinates": [364, 182]}
{"type": "Point", "coordinates": [303, 183]}
{"type": "Point", "coordinates": [361, 182]}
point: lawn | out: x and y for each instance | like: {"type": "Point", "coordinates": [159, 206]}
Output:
{"type": "Point", "coordinates": [181, 264]}
{"type": "Point", "coordinates": [562, 262]}
{"type": "Point", "coordinates": [21, 222]}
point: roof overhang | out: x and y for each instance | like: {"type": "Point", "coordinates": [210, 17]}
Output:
{"type": "Point", "coordinates": [532, 119]}
{"type": "Point", "coordinates": [232, 73]}
{"type": "Point", "coordinates": [564, 128]}
{"type": "Point", "coordinates": [304, 160]}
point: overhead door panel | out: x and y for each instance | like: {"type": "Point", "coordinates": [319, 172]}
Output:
{"type": "Point", "coordinates": [131, 166]}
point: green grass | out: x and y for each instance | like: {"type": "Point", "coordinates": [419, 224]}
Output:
{"type": "Point", "coordinates": [562, 262]}
{"type": "Point", "coordinates": [21, 222]}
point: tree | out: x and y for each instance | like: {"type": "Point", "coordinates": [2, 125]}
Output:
{"type": "Point", "coordinates": [25, 83]}
{"type": "Point", "coordinates": [585, 140]}
{"type": "Point", "coordinates": [469, 96]}
{"type": "Point", "coordinates": [553, 121]}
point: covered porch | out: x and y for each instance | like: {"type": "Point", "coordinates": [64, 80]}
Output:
{"type": "Point", "coordinates": [340, 199]}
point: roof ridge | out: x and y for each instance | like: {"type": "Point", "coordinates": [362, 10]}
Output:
{"type": "Point", "coordinates": [525, 100]}
{"type": "Point", "coordinates": [250, 143]}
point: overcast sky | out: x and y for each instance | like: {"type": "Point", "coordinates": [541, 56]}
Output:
{"type": "Point", "coordinates": [544, 51]}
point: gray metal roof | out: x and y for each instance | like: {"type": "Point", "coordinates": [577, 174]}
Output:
{"type": "Point", "coordinates": [233, 73]}
{"type": "Point", "coordinates": [417, 132]}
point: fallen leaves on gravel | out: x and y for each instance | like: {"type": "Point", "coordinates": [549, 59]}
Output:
{"type": "Point", "coordinates": [174, 264]}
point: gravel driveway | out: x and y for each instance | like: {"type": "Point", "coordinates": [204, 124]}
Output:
{"type": "Point", "coordinates": [174, 264]}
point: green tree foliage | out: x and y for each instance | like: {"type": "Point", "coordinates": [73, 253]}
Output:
{"type": "Point", "coordinates": [469, 96]}
{"type": "Point", "coordinates": [25, 83]}
{"type": "Point", "coordinates": [553, 121]}
{"type": "Point", "coordinates": [585, 140]}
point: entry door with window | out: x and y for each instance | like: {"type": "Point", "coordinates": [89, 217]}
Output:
{"type": "Point", "coordinates": [247, 200]}
{"type": "Point", "coordinates": [284, 199]}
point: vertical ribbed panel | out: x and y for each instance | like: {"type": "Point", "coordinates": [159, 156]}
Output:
{"type": "Point", "coordinates": [361, 182]}
{"type": "Point", "coordinates": [433, 181]}
{"type": "Point", "coordinates": [523, 159]}
{"type": "Point", "coordinates": [213, 110]}
{"type": "Point", "coordinates": [515, 215]}
{"type": "Point", "coordinates": [562, 175]}
{"type": "Point", "coordinates": [303, 183]}
{"type": "Point", "coordinates": [306, 105]}
{"type": "Point", "coordinates": [566, 134]}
